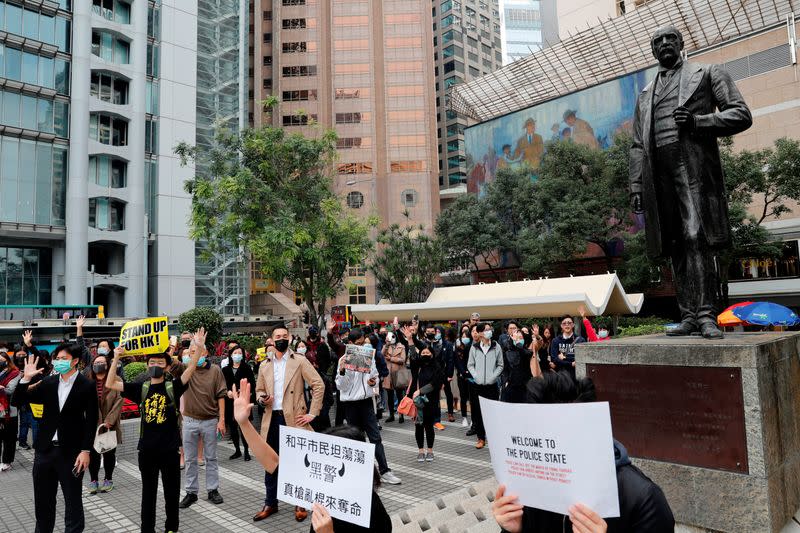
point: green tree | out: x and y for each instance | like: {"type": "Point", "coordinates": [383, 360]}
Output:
{"type": "Point", "coordinates": [406, 263]}
{"type": "Point", "coordinates": [206, 317]}
{"type": "Point", "coordinates": [580, 197]}
{"type": "Point", "coordinates": [270, 194]}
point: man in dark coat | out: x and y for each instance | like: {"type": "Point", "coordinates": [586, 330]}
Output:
{"type": "Point", "coordinates": [676, 174]}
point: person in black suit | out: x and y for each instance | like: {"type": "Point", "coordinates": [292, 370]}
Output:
{"type": "Point", "coordinates": [66, 434]}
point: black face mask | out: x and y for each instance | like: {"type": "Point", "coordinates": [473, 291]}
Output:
{"type": "Point", "coordinates": [20, 362]}
{"type": "Point", "coordinates": [155, 372]}
{"type": "Point", "coordinates": [3, 364]}
{"type": "Point", "coordinates": [282, 345]}
{"type": "Point", "coordinates": [430, 336]}
{"type": "Point", "coordinates": [186, 343]}
{"type": "Point", "coordinates": [99, 368]}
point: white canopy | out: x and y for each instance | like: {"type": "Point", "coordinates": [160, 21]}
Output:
{"type": "Point", "coordinates": [601, 294]}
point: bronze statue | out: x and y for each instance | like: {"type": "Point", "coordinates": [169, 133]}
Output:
{"type": "Point", "coordinates": [676, 175]}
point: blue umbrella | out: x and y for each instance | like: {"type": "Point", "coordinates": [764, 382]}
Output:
{"type": "Point", "coordinates": [767, 314]}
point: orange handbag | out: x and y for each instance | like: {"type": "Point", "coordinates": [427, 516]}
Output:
{"type": "Point", "coordinates": [407, 406]}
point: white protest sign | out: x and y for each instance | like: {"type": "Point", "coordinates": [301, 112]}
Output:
{"type": "Point", "coordinates": [359, 358]}
{"type": "Point", "coordinates": [337, 473]}
{"type": "Point", "coordinates": [553, 456]}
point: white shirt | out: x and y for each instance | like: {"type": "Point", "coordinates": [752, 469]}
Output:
{"type": "Point", "coordinates": [64, 388]}
{"type": "Point", "coordinates": [278, 377]}
{"type": "Point", "coordinates": [485, 347]}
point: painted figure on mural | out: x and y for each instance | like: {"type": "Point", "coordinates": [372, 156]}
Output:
{"type": "Point", "coordinates": [676, 175]}
{"type": "Point", "coordinates": [530, 147]}
{"type": "Point", "coordinates": [580, 130]}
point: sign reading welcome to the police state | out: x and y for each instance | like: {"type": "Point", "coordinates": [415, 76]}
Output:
{"type": "Point", "coordinates": [334, 472]}
{"type": "Point", "coordinates": [146, 336]}
{"type": "Point", "coordinates": [554, 455]}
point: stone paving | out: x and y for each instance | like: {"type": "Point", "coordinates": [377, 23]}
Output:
{"type": "Point", "coordinates": [426, 490]}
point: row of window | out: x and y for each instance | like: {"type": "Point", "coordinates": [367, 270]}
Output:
{"type": "Point", "coordinates": [107, 171]}
{"type": "Point", "coordinates": [298, 120]}
{"type": "Point", "coordinates": [110, 48]}
{"type": "Point", "coordinates": [299, 96]}
{"type": "Point", "coordinates": [346, 143]}
{"type": "Point", "coordinates": [32, 113]}
{"type": "Point", "coordinates": [154, 22]}
{"type": "Point", "coordinates": [298, 23]}
{"type": "Point", "coordinates": [354, 168]}
{"type": "Point", "coordinates": [35, 25]}
{"type": "Point", "coordinates": [107, 214]}
{"type": "Point", "coordinates": [109, 88]}
{"type": "Point", "coordinates": [108, 130]}
{"type": "Point", "coordinates": [152, 97]}
{"type": "Point", "coordinates": [33, 181]}
{"type": "Point", "coordinates": [297, 71]}
{"type": "Point", "coordinates": [353, 118]}
{"type": "Point", "coordinates": [298, 47]}
{"type": "Point", "coordinates": [151, 136]}
{"type": "Point", "coordinates": [113, 10]}
{"type": "Point", "coordinates": [30, 68]}
{"type": "Point", "coordinates": [151, 192]}
{"type": "Point", "coordinates": [25, 276]}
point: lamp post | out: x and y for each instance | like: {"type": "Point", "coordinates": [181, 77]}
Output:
{"type": "Point", "coordinates": [373, 234]}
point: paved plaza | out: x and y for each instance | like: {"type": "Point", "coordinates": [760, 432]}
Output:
{"type": "Point", "coordinates": [458, 465]}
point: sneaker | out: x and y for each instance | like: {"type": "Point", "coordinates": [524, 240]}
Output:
{"type": "Point", "coordinates": [401, 420]}
{"type": "Point", "coordinates": [188, 500]}
{"type": "Point", "coordinates": [439, 426]}
{"type": "Point", "coordinates": [465, 422]}
{"type": "Point", "coordinates": [93, 487]}
{"type": "Point", "coordinates": [24, 446]}
{"type": "Point", "coordinates": [107, 486]}
{"type": "Point", "coordinates": [4, 467]}
{"type": "Point", "coordinates": [215, 497]}
{"type": "Point", "coordinates": [480, 444]}
{"type": "Point", "coordinates": [429, 457]}
{"type": "Point", "coordinates": [235, 455]}
{"type": "Point", "coordinates": [390, 419]}
{"type": "Point", "coordinates": [390, 478]}
{"type": "Point", "coordinates": [420, 457]}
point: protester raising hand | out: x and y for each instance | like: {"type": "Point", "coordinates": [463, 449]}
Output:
{"type": "Point", "coordinates": [584, 520]}
{"type": "Point", "coordinates": [241, 401]}
{"type": "Point", "coordinates": [321, 521]}
{"type": "Point", "coordinates": [31, 370]}
{"type": "Point", "coordinates": [27, 337]}
{"type": "Point", "coordinates": [507, 511]}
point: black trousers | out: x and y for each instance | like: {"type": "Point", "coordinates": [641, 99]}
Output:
{"type": "Point", "coordinates": [274, 440]}
{"type": "Point", "coordinates": [339, 411]}
{"type": "Point", "coordinates": [448, 394]}
{"type": "Point", "coordinates": [151, 464]}
{"type": "Point", "coordinates": [476, 391]}
{"type": "Point", "coordinates": [682, 233]}
{"type": "Point", "coordinates": [8, 438]}
{"type": "Point", "coordinates": [463, 394]}
{"type": "Point", "coordinates": [233, 427]}
{"type": "Point", "coordinates": [426, 428]}
{"type": "Point", "coordinates": [109, 461]}
{"type": "Point", "coordinates": [361, 414]}
{"type": "Point", "coordinates": [51, 468]}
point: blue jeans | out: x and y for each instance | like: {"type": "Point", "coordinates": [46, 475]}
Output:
{"type": "Point", "coordinates": [26, 420]}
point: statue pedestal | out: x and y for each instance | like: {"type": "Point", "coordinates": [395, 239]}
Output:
{"type": "Point", "coordinates": [715, 423]}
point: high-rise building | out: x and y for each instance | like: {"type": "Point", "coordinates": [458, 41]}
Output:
{"type": "Point", "coordinates": [467, 45]}
{"type": "Point", "coordinates": [576, 15]}
{"type": "Point", "coordinates": [527, 26]}
{"type": "Point", "coordinates": [82, 140]}
{"type": "Point", "coordinates": [363, 68]}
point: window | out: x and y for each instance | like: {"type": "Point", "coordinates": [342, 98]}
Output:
{"type": "Point", "coordinates": [408, 166]}
{"type": "Point", "coordinates": [27, 23]}
{"type": "Point", "coordinates": [299, 96]}
{"type": "Point", "coordinates": [406, 90]}
{"type": "Point", "coordinates": [298, 120]}
{"type": "Point", "coordinates": [299, 71]}
{"type": "Point", "coordinates": [404, 66]}
{"type": "Point", "coordinates": [33, 69]}
{"type": "Point", "coordinates": [355, 200]}
{"type": "Point", "coordinates": [357, 271]}
{"type": "Point", "coordinates": [108, 130]}
{"type": "Point", "coordinates": [408, 197]}
{"type": "Point", "coordinates": [297, 48]}
{"type": "Point", "coordinates": [407, 140]}
{"type": "Point", "coordinates": [32, 113]}
{"type": "Point", "coordinates": [107, 171]}
{"type": "Point", "coordinates": [455, 162]}
{"type": "Point", "coordinates": [354, 168]}
{"type": "Point", "coordinates": [154, 22]}
{"type": "Point", "coordinates": [352, 118]}
{"type": "Point", "coordinates": [347, 94]}
{"type": "Point", "coordinates": [451, 115]}
{"type": "Point", "coordinates": [106, 214]}
{"type": "Point", "coordinates": [267, 61]}
{"type": "Point", "coordinates": [354, 20]}
{"type": "Point", "coordinates": [25, 276]}
{"type": "Point", "coordinates": [346, 143]}
{"type": "Point", "coordinates": [267, 15]}
{"type": "Point", "coordinates": [33, 182]}
{"type": "Point", "coordinates": [358, 294]}
{"type": "Point", "coordinates": [109, 88]}
{"type": "Point", "coordinates": [455, 129]}
{"type": "Point", "coordinates": [151, 136]}
{"type": "Point", "coordinates": [267, 38]}
{"type": "Point", "coordinates": [404, 42]}
{"type": "Point", "coordinates": [452, 80]}
{"type": "Point", "coordinates": [152, 97]}
{"type": "Point", "coordinates": [453, 146]}
{"type": "Point", "coordinates": [403, 18]}
{"type": "Point", "coordinates": [293, 24]}
{"type": "Point", "coordinates": [408, 115]}
{"type": "Point", "coordinates": [114, 10]}
{"type": "Point", "coordinates": [110, 48]}
{"type": "Point", "coordinates": [352, 68]}
{"type": "Point", "coordinates": [351, 44]}
{"type": "Point", "coordinates": [294, 2]}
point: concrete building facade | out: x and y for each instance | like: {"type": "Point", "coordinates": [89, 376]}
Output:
{"type": "Point", "coordinates": [527, 26]}
{"type": "Point", "coordinates": [364, 69]}
{"type": "Point", "coordinates": [81, 151]}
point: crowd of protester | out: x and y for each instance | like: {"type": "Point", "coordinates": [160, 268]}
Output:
{"type": "Point", "coordinates": [189, 400]}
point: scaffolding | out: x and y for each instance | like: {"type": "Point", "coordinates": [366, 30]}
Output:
{"type": "Point", "coordinates": [611, 49]}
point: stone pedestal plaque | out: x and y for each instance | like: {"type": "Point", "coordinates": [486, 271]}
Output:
{"type": "Point", "coordinates": [715, 423]}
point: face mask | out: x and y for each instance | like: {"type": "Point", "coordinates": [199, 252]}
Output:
{"type": "Point", "coordinates": [186, 343]}
{"type": "Point", "coordinates": [430, 336]}
{"type": "Point", "coordinates": [20, 362]}
{"type": "Point", "coordinates": [282, 345]}
{"type": "Point", "coordinates": [237, 358]}
{"type": "Point", "coordinates": [302, 351]}
{"type": "Point", "coordinates": [3, 364]}
{"type": "Point", "coordinates": [103, 351]}
{"type": "Point", "coordinates": [99, 368]}
{"type": "Point", "coordinates": [201, 361]}
{"type": "Point", "coordinates": [438, 336]}
{"type": "Point", "coordinates": [155, 372]}
{"type": "Point", "coordinates": [488, 334]}
{"type": "Point", "coordinates": [426, 355]}
{"type": "Point", "coordinates": [519, 342]}
{"type": "Point", "coordinates": [186, 359]}
{"type": "Point", "coordinates": [62, 366]}
{"type": "Point", "coordinates": [466, 340]}
{"type": "Point", "coordinates": [602, 334]}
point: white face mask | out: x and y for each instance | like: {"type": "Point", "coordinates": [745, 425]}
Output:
{"type": "Point", "coordinates": [602, 333]}
{"type": "Point", "coordinates": [488, 334]}
{"type": "Point", "coordinates": [301, 351]}
{"type": "Point", "coordinates": [237, 358]}
{"type": "Point", "coordinates": [390, 338]}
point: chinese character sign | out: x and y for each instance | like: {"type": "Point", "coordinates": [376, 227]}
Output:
{"type": "Point", "coordinates": [334, 472]}
{"type": "Point", "coordinates": [359, 358]}
{"type": "Point", "coordinates": [555, 455]}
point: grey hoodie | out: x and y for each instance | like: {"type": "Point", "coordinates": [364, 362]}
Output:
{"type": "Point", "coordinates": [485, 368]}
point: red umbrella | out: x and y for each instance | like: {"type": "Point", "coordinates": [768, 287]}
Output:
{"type": "Point", "coordinates": [727, 318]}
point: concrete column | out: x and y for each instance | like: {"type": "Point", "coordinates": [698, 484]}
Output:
{"type": "Point", "coordinates": [77, 212]}
{"type": "Point", "coordinates": [136, 249]}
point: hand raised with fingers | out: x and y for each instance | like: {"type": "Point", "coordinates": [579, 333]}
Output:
{"type": "Point", "coordinates": [27, 337]}
{"type": "Point", "coordinates": [31, 369]}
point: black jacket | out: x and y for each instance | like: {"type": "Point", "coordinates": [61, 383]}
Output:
{"type": "Point", "coordinates": [428, 375]}
{"type": "Point", "coordinates": [234, 377]}
{"type": "Point", "coordinates": [76, 423]}
{"type": "Point", "coordinates": [517, 367]}
{"type": "Point", "coordinates": [643, 507]}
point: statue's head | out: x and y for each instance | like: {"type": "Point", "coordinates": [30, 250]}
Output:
{"type": "Point", "coordinates": [667, 44]}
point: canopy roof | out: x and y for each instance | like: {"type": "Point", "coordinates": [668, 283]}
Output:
{"type": "Point", "coordinates": [601, 294]}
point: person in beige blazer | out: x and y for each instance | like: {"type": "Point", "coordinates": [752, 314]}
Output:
{"type": "Point", "coordinates": [279, 389]}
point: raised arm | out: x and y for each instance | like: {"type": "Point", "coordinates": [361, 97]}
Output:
{"type": "Point", "coordinates": [262, 451]}
{"type": "Point", "coordinates": [86, 355]}
{"type": "Point", "coordinates": [199, 340]}
{"type": "Point", "coordinates": [113, 381]}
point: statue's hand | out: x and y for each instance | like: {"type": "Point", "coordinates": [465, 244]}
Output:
{"type": "Point", "coordinates": [636, 202]}
{"type": "Point", "coordinates": [683, 118]}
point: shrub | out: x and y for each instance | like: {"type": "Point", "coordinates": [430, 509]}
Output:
{"type": "Point", "coordinates": [250, 343]}
{"type": "Point", "coordinates": [134, 370]}
{"type": "Point", "coordinates": [642, 329]}
{"type": "Point", "coordinates": [205, 317]}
